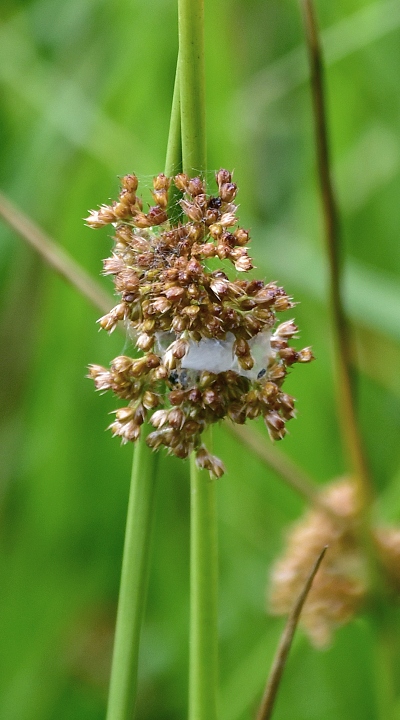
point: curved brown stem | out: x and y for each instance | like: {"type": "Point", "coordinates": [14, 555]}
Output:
{"type": "Point", "coordinates": [278, 665]}
{"type": "Point", "coordinates": [346, 404]}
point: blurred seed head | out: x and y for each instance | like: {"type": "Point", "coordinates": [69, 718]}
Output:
{"type": "Point", "coordinates": [341, 585]}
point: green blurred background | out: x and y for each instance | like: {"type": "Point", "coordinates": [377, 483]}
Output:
{"type": "Point", "coordinates": [86, 92]}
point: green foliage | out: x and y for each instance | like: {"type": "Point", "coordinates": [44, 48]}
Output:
{"type": "Point", "coordinates": [87, 93]}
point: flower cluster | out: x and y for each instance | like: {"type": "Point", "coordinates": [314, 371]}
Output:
{"type": "Point", "coordinates": [341, 585]}
{"type": "Point", "coordinates": [211, 346]}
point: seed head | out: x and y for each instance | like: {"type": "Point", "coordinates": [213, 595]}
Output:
{"type": "Point", "coordinates": [341, 585]}
{"type": "Point", "coordinates": [208, 344]}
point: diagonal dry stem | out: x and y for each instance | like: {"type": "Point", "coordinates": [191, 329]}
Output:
{"type": "Point", "coordinates": [294, 476]}
{"type": "Point", "coordinates": [54, 255]}
{"type": "Point", "coordinates": [278, 665]}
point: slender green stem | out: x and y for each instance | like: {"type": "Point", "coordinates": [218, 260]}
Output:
{"type": "Point", "coordinates": [383, 621]}
{"type": "Point", "coordinates": [123, 683]}
{"type": "Point", "coordinates": [173, 160]}
{"type": "Point", "coordinates": [192, 85]}
{"type": "Point", "coordinates": [203, 653]}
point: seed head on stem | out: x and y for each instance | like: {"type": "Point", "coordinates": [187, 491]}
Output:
{"type": "Point", "coordinates": [212, 347]}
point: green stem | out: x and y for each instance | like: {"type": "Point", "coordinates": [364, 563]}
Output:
{"type": "Point", "coordinates": [203, 655]}
{"type": "Point", "coordinates": [123, 684]}
{"type": "Point", "coordinates": [192, 84]}
{"type": "Point", "coordinates": [173, 161]}
{"type": "Point", "coordinates": [203, 663]}
{"type": "Point", "coordinates": [383, 620]}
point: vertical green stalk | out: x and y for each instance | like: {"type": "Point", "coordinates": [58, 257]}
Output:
{"type": "Point", "coordinates": [123, 683]}
{"type": "Point", "coordinates": [203, 651]}
{"type": "Point", "coordinates": [173, 160]}
{"type": "Point", "coordinates": [132, 594]}
{"type": "Point", "coordinates": [192, 84]}
{"type": "Point", "coordinates": [384, 620]}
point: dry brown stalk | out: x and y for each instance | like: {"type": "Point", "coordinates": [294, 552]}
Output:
{"type": "Point", "coordinates": [346, 403]}
{"type": "Point", "coordinates": [278, 665]}
{"type": "Point", "coordinates": [54, 255]}
{"type": "Point", "coordinates": [294, 476]}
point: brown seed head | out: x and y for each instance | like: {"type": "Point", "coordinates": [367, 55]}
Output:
{"type": "Point", "coordinates": [195, 327]}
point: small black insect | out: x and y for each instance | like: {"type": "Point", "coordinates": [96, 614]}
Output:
{"type": "Point", "coordinates": [179, 379]}
{"type": "Point", "coordinates": [214, 203]}
{"type": "Point", "coordinates": [173, 377]}
{"type": "Point", "coordinates": [261, 374]}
